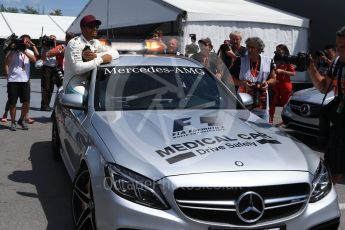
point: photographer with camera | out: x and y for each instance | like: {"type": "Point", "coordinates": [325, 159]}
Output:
{"type": "Point", "coordinates": [50, 72]}
{"type": "Point", "coordinates": [253, 74]}
{"type": "Point", "coordinates": [282, 90]}
{"type": "Point", "coordinates": [84, 53]}
{"type": "Point", "coordinates": [334, 155]}
{"type": "Point", "coordinates": [231, 49]}
{"type": "Point", "coordinates": [17, 63]}
{"type": "Point", "coordinates": [222, 53]}
{"type": "Point", "coordinates": [325, 58]}
{"type": "Point", "coordinates": [59, 52]}
{"type": "Point", "coordinates": [13, 43]}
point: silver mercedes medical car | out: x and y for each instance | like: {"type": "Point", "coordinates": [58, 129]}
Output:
{"type": "Point", "coordinates": [302, 112]}
{"type": "Point", "coordinates": [157, 142]}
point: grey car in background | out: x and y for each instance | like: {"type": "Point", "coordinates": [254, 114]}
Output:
{"type": "Point", "coordinates": [302, 112]}
{"type": "Point", "coordinates": [157, 142]}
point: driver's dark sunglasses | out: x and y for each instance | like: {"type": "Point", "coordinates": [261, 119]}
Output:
{"type": "Point", "coordinates": [92, 26]}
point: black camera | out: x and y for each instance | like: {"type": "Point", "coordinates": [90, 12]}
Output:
{"type": "Point", "coordinates": [86, 48]}
{"type": "Point", "coordinates": [225, 48]}
{"type": "Point", "coordinates": [192, 36]}
{"type": "Point", "coordinates": [256, 88]}
{"type": "Point", "coordinates": [13, 43]}
{"type": "Point", "coordinates": [59, 73]}
{"type": "Point", "coordinates": [48, 42]}
{"type": "Point", "coordinates": [301, 60]}
{"type": "Point", "coordinates": [320, 53]}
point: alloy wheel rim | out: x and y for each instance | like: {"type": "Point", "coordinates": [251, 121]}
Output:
{"type": "Point", "coordinates": [82, 203]}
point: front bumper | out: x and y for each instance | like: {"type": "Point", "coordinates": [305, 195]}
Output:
{"type": "Point", "coordinates": [329, 225]}
{"type": "Point", "coordinates": [296, 122]}
{"type": "Point", "coordinates": [113, 212]}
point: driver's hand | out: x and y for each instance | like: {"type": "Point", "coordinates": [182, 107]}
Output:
{"type": "Point", "coordinates": [106, 58]}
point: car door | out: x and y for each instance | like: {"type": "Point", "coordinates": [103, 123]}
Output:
{"type": "Point", "coordinates": [75, 137]}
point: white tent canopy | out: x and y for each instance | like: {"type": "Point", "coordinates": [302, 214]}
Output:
{"type": "Point", "coordinates": [236, 11]}
{"type": "Point", "coordinates": [123, 13]}
{"type": "Point", "coordinates": [205, 18]}
{"type": "Point", "coordinates": [32, 25]}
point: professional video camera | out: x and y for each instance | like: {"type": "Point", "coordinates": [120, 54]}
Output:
{"type": "Point", "coordinates": [13, 43]}
{"type": "Point", "coordinates": [301, 60]}
{"type": "Point", "coordinates": [48, 42]}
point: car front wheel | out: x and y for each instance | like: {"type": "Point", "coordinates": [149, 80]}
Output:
{"type": "Point", "coordinates": [83, 206]}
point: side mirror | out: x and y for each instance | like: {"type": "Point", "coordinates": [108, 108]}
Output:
{"type": "Point", "coordinates": [246, 99]}
{"type": "Point", "coordinates": [72, 101]}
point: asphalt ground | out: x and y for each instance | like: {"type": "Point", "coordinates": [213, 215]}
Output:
{"type": "Point", "coordinates": [35, 189]}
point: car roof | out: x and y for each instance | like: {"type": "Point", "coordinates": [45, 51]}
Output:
{"type": "Point", "coordinates": [153, 60]}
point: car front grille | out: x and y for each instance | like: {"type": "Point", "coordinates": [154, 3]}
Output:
{"type": "Point", "coordinates": [218, 205]}
{"type": "Point", "coordinates": [311, 110]}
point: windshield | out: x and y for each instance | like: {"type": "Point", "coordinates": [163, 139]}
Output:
{"type": "Point", "coordinates": [159, 87]}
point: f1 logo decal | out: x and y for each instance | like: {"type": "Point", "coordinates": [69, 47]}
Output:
{"type": "Point", "coordinates": [180, 123]}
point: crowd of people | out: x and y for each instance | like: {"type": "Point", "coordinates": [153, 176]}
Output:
{"type": "Point", "coordinates": [249, 70]}
{"type": "Point", "coordinates": [245, 67]}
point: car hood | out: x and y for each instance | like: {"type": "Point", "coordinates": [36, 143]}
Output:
{"type": "Point", "coordinates": [164, 143]}
{"type": "Point", "coordinates": [312, 95]}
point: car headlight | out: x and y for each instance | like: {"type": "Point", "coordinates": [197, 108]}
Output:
{"type": "Point", "coordinates": [322, 183]}
{"type": "Point", "coordinates": [134, 187]}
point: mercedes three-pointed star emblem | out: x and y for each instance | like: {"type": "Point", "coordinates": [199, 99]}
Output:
{"type": "Point", "coordinates": [305, 110]}
{"type": "Point", "coordinates": [250, 207]}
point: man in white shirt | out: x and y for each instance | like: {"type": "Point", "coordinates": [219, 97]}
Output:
{"type": "Point", "coordinates": [17, 63]}
{"type": "Point", "coordinates": [84, 53]}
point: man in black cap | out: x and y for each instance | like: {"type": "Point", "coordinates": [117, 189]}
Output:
{"type": "Point", "coordinates": [84, 53]}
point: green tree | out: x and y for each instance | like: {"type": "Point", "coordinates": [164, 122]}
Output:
{"type": "Point", "coordinates": [8, 9]}
{"type": "Point", "coordinates": [56, 12]}
{"type": "Point", "coordinates": [29, 10]}
{"type": "Point", "coordinates": [12, 10]}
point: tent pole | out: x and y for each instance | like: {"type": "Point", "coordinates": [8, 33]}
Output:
{"type": "Point", "coordinates": [107, 19]}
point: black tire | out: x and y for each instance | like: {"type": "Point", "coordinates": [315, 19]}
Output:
{"type": "Point", "coordinates": [56, 144]}
{"type": "Point", "coordinates": [83, 206]}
